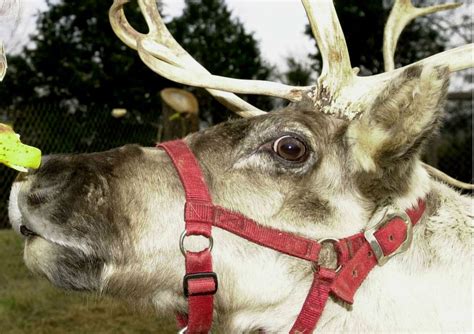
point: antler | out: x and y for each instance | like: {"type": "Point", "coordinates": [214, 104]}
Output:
{"type": "Point", "coordinates": [331, 42]}
{"type": "Point", "coordinates": [3, 62]}
{"type": "Point", "coordinates": [160, 52]}
{"type": "Point", "coordinates": [458, 59]}
{"type": "Point", "coordinates": [401, 14]}
{"type": "Point", "coordinates": [437, 174]}
{"type": "Point", "coordinates": [339, 91]}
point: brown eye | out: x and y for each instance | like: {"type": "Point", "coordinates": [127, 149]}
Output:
{"type": "Point", "coordinates": [290, 148]}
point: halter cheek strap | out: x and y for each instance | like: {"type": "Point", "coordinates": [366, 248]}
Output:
{"type": "Point", "coordinates": [389, 234]}
{"type": "Point", "coordinates": [200, 282]}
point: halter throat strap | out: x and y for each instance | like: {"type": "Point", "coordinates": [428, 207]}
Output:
{"type": "Point", "coordinates": [388, 235]}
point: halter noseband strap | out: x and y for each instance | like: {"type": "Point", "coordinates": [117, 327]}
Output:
{"type": "Point", "coordinates": [390, 233]}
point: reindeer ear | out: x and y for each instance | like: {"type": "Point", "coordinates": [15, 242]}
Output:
{"type": "Point", "coordinates": [403, 115]}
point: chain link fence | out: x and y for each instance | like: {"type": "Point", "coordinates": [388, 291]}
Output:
{"type": "Point", "coordinates": [55, 130]}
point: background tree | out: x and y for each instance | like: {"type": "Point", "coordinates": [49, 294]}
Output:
{"type": "Point", "coordinates": [299, 73]}
{"type": "Point", "coordinates": [218, 41]}
{"type": "Point", "coordinates": [76, 59]}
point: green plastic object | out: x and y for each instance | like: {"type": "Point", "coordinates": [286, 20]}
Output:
{"type": "Point", "coordinates": [14, 153]}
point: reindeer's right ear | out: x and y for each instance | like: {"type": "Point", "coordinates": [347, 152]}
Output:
{"type": "Point", "coordinates": [403, 115]}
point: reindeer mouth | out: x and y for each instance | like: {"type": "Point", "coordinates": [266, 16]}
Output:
{"type": "Point", "coordinates": [17, 219]}
{"type": "Point", "coordinates": [27, 232]}
{"type": "Point", "coordinates": [20, 223]}
{"type": "Point", "coordinates": [37, 225]}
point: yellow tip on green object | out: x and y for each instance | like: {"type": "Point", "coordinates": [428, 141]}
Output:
{"type": "Point", "coordinates": [14, 154]}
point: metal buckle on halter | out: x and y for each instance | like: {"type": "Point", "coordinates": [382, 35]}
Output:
{"type": "Point", "coordinates": [189, 277]}
{"type": "Point", "coordinates": [379, 220]}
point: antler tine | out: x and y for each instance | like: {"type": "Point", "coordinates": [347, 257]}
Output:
{"type": "Point", "coordinates": [204, 79]}
{"type": "Point", "coordinates": [436, 173]}
{"type": "Point", "coordinates": [401, 14]}
{"type": "Point", "coordinates": [159, 62]}
{"type": "Point", "coordinates": [3, 62]}
{"type": "Point", "coordinates": [456, 59]}
{"type": "Point", "coordinates": [131, 38]}
{"type": "Point", "coordinates": [331, 41]}
{"type": "Point", "coordinates": [120, 25]}
{"type": "Point", "coordinates": [161, 53]}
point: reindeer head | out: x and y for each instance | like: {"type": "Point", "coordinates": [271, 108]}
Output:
{"type": "Point", "coordinates": [111, 221]}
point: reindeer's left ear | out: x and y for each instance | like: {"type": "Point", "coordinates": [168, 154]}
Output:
{"type": "Point", "coordinates": [403, 115]}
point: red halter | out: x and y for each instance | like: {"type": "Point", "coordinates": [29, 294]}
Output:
{"type": "Point", "coordinates": [390, 234]}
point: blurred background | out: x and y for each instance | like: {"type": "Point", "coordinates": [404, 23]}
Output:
{"type": "Point", "coordinates": [72, 86]}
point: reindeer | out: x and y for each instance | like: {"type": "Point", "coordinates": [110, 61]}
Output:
{"type": "Point", "coordinates": [306, 205]}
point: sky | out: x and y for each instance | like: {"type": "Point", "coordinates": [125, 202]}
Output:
{"type": "Point", "coordinates": [277, 25]}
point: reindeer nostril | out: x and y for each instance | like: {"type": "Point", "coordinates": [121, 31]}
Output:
{"type": "Point", "coordinates": [26, 231]}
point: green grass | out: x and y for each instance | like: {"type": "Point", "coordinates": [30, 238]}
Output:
{"type": "Point", "coordinates": [29, 304]}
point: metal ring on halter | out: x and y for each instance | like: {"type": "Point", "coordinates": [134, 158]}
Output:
{"type": "Point", "coordinates": [183, 330]}
{"type": "Point", "coordinates": [332, 240]}
{"type": "Point", "coordinates": [183, 236]}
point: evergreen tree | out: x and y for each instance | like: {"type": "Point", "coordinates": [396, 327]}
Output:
{"type": "Point", "coordinates": [76, 59]}
{"type": "Point", "coordinates": [217, 40]}
{"type": "Point", "coordinates": [299, 73]}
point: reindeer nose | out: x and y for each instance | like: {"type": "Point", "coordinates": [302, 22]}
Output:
{"type": "Point", "coordinates": [54, 172]}
{"type": "Point", "coordinates": [45, 159]}
{"type": "Point", "coordinates": [52, 163]}
{"type": "Point", "coordinates": [23, 176]}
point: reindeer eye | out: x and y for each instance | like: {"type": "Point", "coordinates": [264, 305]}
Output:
{"type": "Point", "coordinates": [290, 148]}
